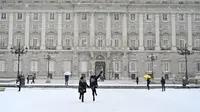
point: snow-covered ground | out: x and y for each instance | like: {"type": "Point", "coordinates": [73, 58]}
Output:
{"type": "Point", "coordinates": [108, 100]}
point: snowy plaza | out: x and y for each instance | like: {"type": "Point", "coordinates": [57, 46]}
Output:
{"type": "Point", "coordinates": [108, 100]}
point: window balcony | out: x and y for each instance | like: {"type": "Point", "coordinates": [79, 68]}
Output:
{"type": "Point", "coordinates": [149, 48]}
{"type": "Point", "coordinates": [67, 48]}
{"type": "Point", "coordinates": [3, 47]}
{"type": "Point", "coordinates": [196, 48]}
{"type": "Point", "coordinates": [133, 48]}
{"type": "Point", "coordinates": [34, 47]}
{"type": "Point", "coordinates": [51, 47]}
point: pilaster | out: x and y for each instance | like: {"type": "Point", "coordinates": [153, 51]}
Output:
{"type": "Point", "coordinates": [92, 30]}
{"type": "Point", "coordinates": [108, 31]}
{"type": "Point", "coordinates": [173, 32]}
{"type": "Point", "coordinates": [189, 32]}
{"type": "Point", "coordinates": [10, 39]}
{"type": "Point", "coordinates": [141, 32]}
{"type": "Point", "coordinates": [76, 29]}
{"type": "Point", "coordinates": [43, 31]}
{"type": "Point", "coordinates": [125, 30]}
{"type": "Point", "coordinates": [59, 44]}
{"type": "Point", "coordinates": [27, 29]}
{"type": "Point", "coordinates": [157, 32]}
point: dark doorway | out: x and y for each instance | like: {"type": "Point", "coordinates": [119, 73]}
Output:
{"type": "Point", "coordinates": [99, 65]}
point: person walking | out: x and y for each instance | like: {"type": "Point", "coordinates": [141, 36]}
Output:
{"type": "Point", "coordinates": [163, 83]}
{"type": "Point", "coordinates": [82, 88]}
{"type": "Point", "coordinates": [94, 84]}
{"type": "Point", "coordinates": [137, 80]}
{"type": "Point", "coordinates": [33, 80]}
{"type": "Point", "coordinates": [20, 82]}
{"type": "Point", "coordinates": [148, 82]}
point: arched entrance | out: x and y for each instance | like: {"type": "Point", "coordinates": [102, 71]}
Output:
{"type": "Point", "coordinates": [100, 65]}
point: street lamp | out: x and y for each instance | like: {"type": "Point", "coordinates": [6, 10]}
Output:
{"type": "Point", "coordinates": [152, 58]}
{"type": "Point", "coordinates": [184, 51]}
{"type": "Point", "coordinates": [19, 50]}
{"type": "Point", "coordinates": [48, 58]}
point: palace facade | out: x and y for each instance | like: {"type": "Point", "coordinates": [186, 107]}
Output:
{"type": "Point", "coordinates": [85, 36]}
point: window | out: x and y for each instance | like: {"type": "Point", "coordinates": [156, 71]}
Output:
{"type": "Point", "coordinates": [181, 66]}
{"type": "Point", "coordinates": [149, 66]}
{"type": "Point", "coordinates": [67, 66]}
{"type": "Point", "coordinates": [197, 17]}
{"type": "Point", "coordinates": [133, 42]}
{"type": "Point", "coordinates": [197, 43]}
{"type": "Point", "coordinates": [117, 66]}
{"type": "Point", "coordinates": [84, 16]}
{"type": "Point", "coordinates": [51, 41]}
{"type": "Point", "coordinates": [198, 66]}
{"type": "Point", "coordinates": [18, 41]}
{"type": "Point", "coordinates": [132, 66]}
{"type": "Point", "coordinates": [148, 17]}
{"type": "Point", "coordinates": [181, 43]}
{"type": "Point", "coordinates": [181, 17]}
{"type": "Point", "coordinates": [116, 42]}
{"type": "Point", "coordinates": [51, 66]}
{"type": "Point", "coordinates": [166, 66]}
{"type": "Point", "coordinates": [19, 16]}
{"type": "Point", "coordinates": [3, 16]}
{"type": "Point", "coordinates": [34, 66]}
{"type": "Point", "coordinates": [52, 1]}
{"type": "Point", "coordinates": [67, 42]}
{"type": "Point", "coordinates": [100, 42]}
{"type": "Point", "coordinates": [51, 16]}
{"type": "Point", "coordinates": [132, 17]}
{"type": "Point", "coordinates": [35, 16]}
{"type": "Point", "coordinates": [2, 41]}
{"type": "Point", "coordinates": [2, 65]}
{"type": "Point", "coordinates": [149, 42]}
{"type": "Point", "coordinates": [35, 42]}
{"type": "Point", "coordinates": [16, 66]}
{"type": "Point", "coordinates": [165, 41]}
{"type": "Point", "coordinates": [165, 17]}
{"type": "Point", "coordinates": [67, 16]}
{"type": "Point", "coordinates": [116, 16]}
{"type": "Point", "coordinates": [83, 42]}
{"type": "Point", "coordinates": [196, 2]}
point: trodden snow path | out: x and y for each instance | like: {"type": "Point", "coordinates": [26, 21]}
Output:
{"type": "Point", "coordinates": [108, 100]}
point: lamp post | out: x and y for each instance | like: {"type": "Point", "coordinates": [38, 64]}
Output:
{"type": "Point", "coordinates": [48, 58]}
{"type": "Point", "coordinates": [152, 58]}
{"type": "Point", "coordinates": [184, 51]}
{"type": "Point", "coordinates": [19, 50]}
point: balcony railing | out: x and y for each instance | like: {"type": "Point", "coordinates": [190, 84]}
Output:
{"type": "Point", "coordinates": [3, 47]}
{"type": "Point", "coordinates": [51, 47]}
{"type": "Point", "coordinates": [149, 48]}
{"type": "Point", "coordinates": [67, 48]}
{"type": "Point", "coordinates": [34, 47]}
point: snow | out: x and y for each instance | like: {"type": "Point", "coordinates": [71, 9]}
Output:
{"type": "Point", "coordinates": [108, 100]}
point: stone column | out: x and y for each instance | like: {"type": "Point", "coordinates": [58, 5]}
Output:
{"type": "Point", "coordinates": [157, 32]}
{"type": "Point", "coordinates": [59, 44]}
{"type": "Point", "coordinates": [141, 32]}
{"type": "Point", "coordinates": [189, 32]}
{"type": "Point", "coordinates": [173, 32]}
{"type": "Point", "coordinates": [43, 31]}
{"type": "Point", "coordinates": [10, 39]}
{"type": "Point", "coordinates": [124, 30]}
{"type": "Point", "coordinates": [76, 30]}
{"type": "Point", "coordinates": [92, 30]}
{"type": "Point", "coordinates": [108, 30]}
{"type": "Point", "coordinates": [27, 30]}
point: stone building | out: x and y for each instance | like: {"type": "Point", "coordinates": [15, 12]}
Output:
{"type": "Point", "coordinates": [85, 36]}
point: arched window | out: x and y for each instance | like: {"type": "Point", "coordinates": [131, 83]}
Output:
{"type": "Point", "coordinates": [181, 42]}
{"type": "Point", "coordinates": [67, 41]}
{"type": "Point", "coordinates": [83, 41]}
{"type": "Point", "coordinates": [100, 41]}
{"type": "Point", "coordinates": [149, 42]}
{"type": "Point", "coordinates": [133, 42]}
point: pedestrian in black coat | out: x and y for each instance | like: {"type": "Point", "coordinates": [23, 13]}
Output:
{"type": "Point", "coordinates": [163, 83]}
{"type": "Point", "coordinates": [82, 88]}
{"type": "Point", "coordinates": [94, 84]}
{"type": "Point", "coordinates": [33, 80]}
{"type": "Point", "coordinates": [20, 82]}
{"type": "Point", "coordinates": [137, 80]}
{"type": "Point", "coordinates": [148, 82]}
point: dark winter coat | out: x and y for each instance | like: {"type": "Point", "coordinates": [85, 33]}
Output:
{"type": "Point", "coordinates": [93, 80]}
{"type": "Point", "coordinates": [148, 81]}
{"type": "Point", "coordinates": [82, 85]}
{"type": "Point", "coordinates": [162, 81]}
